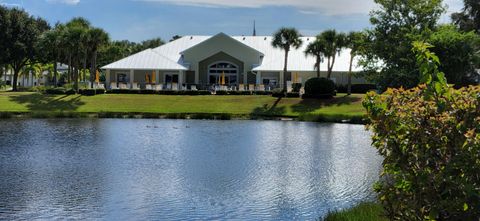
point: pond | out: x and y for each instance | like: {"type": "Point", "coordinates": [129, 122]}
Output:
{"type": "Point", "coordinates": [143, 169]}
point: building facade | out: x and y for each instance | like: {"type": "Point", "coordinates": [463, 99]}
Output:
{"type": "Point", "coordinates": [238, 60]}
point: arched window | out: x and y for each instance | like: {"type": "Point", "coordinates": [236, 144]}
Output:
{"type": "Point", "coordinates": [216, 70]}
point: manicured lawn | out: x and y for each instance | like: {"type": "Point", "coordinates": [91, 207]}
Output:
{"type": "Point", "coordinates": [342, 105]}
{"type": "Point", "coordinates": [362, 212]}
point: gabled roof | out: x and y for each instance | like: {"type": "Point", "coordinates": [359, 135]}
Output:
{"type": "Point", "coordinates": [169, 55]}
{"type": "Point", "coordinates": [218, 36]}
{"type": "Point", "coordinates": [146, 60]}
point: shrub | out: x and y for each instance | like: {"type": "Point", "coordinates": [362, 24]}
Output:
{"type": "Point", "coordinates": [357, 88]}
{"type": "Point", "coordinates": [319, 87]}
{"type": "Point", "coordinates": [363, 88]}
{"type": "Point", "coordinates": [193, 93]}
{"type": "Point", "coordinates": [428, 137]}
{"type": "Point", "coordinates": [221, 93]}
{"type": "Point", "coordinates": [87, 92]}
{"type": "Point", "coordinates": [296, 87]}
{"type": "Point", "coordinates": [262, 92]}
{"type": "Point", "coordinates": [293, 94]}
{"type": "Point", "coordinates": [58, 90]}
{"type": "Point", "coordinates": [122, 91]}
{"type": "Point", "coordinates": [240, 93]}
{"type": "Point", "coordinates": [278, 92]}
{"type": "Point", "coordinates": [146, 91]}
{"type": "Point", "coordinates": [70, 92]}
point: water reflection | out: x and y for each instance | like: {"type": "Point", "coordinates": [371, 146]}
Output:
{"type": "Point", "coordinates": [182, 169]}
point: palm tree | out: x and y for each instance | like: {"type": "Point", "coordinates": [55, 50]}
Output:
{"type": "Point", "coordinates": [354, 41]}
{"type": "Point", "coordinates": [317, 49]}
{"type": "Point", "coordinates": [97, 38]}
{"type": "Point", "coordinates": [286, 38]}
{"type": "Point", "coordinates": [76, 41]}
{"type": "Point", "coordinates": [335, 42]}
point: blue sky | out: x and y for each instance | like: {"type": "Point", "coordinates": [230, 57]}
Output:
{"type": "Point", "coordinates": [137, 20]}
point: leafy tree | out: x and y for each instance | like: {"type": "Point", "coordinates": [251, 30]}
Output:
{"type": "Point", "coordinates": [151, 43]}
{"type": "Point", "coordinates": [428, 138]}
{"type": "Point", "coordinates": [469, 18]}
{"type": "Point", "coordinates": [459, 53]}
{"type": "Point", "coordinates": [175, 37]}
{"type": "Point", "coordinates": [317, 48]}
{"type": "Point", "coordinates": [356, 42]}
{"type": "Point", "coordinates": [20, 33]}
{"type": "Point", "coordinates": [396, 24]}
{"type": "Point", "coordinates": [50, 48]}
{"type": "Point", "coordinates": [335, 42]}
{"type": "Point", "coordinates": [286, 38]}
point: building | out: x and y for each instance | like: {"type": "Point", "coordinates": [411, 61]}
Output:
{"type": "Point", "coordinates": [203, 60]}
{"type": "Point", "coordinates": [30, 80]}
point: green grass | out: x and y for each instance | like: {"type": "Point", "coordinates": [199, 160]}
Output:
{"type": "Point", "coordinates": [361, 212]}
{"type": "Point", "coordinates": [340, 108]}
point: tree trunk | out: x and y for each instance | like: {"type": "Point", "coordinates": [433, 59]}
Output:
{"type": "Point", "coordinates": [93, 68]}
{"type": "Point", "coordinates": [285, 71]}
{"type": "Point", "coordinates": [75, 77]}
{"type": "Point", "coordinates": [349, 87]}
{"type": "Point", "coordinates": [15, 79]}
{"type": "Point", "coordinates": [55, 73]}
{"type": "Point", "coordinates": [70, 69]}
{"type": "Point", "coordinates": [329, 69]}
{"type": "Point", "coordinates": [318, 66]}
{"type": "Point", "coordinates": [85, 68]}
{"type": "Point", "coordinates": [331, 66]}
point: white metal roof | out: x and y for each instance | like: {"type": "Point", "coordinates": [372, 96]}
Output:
{"type": "Point", "coordinates": [168, 56]}
{"type": "Point", "coordinates": [146, 60]}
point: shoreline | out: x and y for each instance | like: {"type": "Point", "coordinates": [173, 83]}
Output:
{"type": "Point", "coordinates": [317, 118]}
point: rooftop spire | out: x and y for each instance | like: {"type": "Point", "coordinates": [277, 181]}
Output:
{"type": "Point", "coordinates": [254, 29]}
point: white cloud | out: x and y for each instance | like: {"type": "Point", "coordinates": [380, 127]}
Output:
{"type": "Point", "coordinates": [330, 7]}
{"type": "Point", "coordinates": [68, 2]}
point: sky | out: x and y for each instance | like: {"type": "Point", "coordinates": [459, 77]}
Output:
{"type": "Point", "coordinates": [137, 20]}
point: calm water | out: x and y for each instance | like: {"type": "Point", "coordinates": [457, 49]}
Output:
{"type": "Point", "coordinates": [182, 169]}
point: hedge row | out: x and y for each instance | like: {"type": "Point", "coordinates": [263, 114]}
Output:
{"type": "Point", "coordinates": [243, 93]}
{"type": "Point", "coordinates": [59, 90]}
{"type": "Point", "coordinates": [357, 88]}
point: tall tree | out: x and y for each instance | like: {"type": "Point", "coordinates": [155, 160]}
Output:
{"type": "Point", "coordinates": [21, 33]}
{"type": "Point", "coordinates": [396, 24]}
{"type": "Point", "coordinates": [50, 48]}
{"type": "Point", "coordinates": [97, 39]}
{"type": "Point", "coordinates": [175, 37]}
{"type": "Point", "coordinates": [355, 41]}
{"type": "Point", "coordinates": [317, 49]}
{"type": "Point", "coordinates": [459, 53]}
{"type": "Point", "coordinates": [334, 43]}
{"type": "Point", "coordinates": [76, 37]}
{"type": "Point", "coordinates": [286, 38]}
{"type": "Point", "coordinates": [469, 18]}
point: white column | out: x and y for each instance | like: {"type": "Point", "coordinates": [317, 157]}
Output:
{"type": "Point", "coordinates": [197, 75]}
{"type": "Point", "coordinates": [180, 79]}
{"type": "Point", "coordinates": [259, 77]}
{"type": "Point", "coordinates": [132, 76]}
{"type": "Point", "coordinates": [157, 77]}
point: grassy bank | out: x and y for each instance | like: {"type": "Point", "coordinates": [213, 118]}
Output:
{"type": "Point", "coordinates": [362, 212]}
{"type": "Point", "coordinates": [341, 108]}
